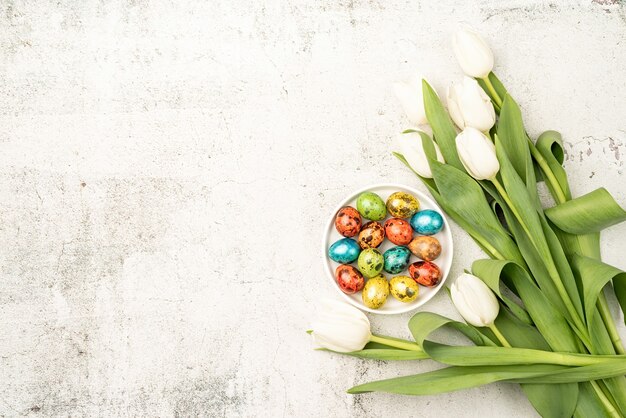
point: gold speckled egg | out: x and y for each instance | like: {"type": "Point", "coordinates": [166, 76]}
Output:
{"type": "Point", "coordinates": [425, 247]}
{"type": "Point", "coordinates": [402, 205]}
{"type": "Point", "coordinates": [404, 288]}
{"type": "Point", "coordinates": [375, 292]}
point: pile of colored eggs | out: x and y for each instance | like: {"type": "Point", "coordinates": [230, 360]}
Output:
{"type": "Point", "coordinates": [409, 228]}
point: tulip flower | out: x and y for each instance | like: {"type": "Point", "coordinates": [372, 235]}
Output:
{"type": "Point", "coordinates": [478, 154]}
{"type": "Point", "coordinates": [409, 94]}
{"type": "Point", "coordinates": [343, 328]}
{"type": "Point", "coordinates": [472, 52]}
{"type": "Point", "coordinates": [411, 147]}
{"type": "Point", "coordinates": [470, 106]}
{"type": "Point", "coordinates": [474, 300]}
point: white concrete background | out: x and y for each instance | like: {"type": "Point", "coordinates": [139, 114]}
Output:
{"type": "Point", "coordinates": [166, 169]}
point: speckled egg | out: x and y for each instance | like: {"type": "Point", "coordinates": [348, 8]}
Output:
{"type": "Point", "coordinates": [398, 231]}
{"type": "Point", "coordinates": [348, 221]}
{"type": "Point", "coordinates": [396, 259]}
{"type": "Point", "coordinates": [344, 251]}
{"type": "Point", "coordinates": [371, 262]}
{"type": "Point", "coordinates": [372, 235]}
{"type": "Point", "coordinates": [375, 292]}
{"type": "Point", "coordinates": [425, 273]}
{"type": "Point", "coordinates": [349, 279]}
{"type": "Point", "coordinates": [425, 247]}
{"type": "Point", "coordinates": [402, 205]}
{"type": "Point", "coordinates": [404, 289]}
{"type": "Point", "coordinates": [427, 222]}
{"type": "Point", "coordinates": [371, 206]}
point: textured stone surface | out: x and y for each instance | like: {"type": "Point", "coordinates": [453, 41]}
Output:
{"type": "Point", "coordinates": [166, 169]}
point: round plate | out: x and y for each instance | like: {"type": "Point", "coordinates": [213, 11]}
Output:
{"type": "Point", "coordinates": [444, 261]}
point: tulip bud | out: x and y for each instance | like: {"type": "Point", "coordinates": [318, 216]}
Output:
{"type": "Point", "coordinates": [472, 52]}
{"type": "Point", "coordinates": [474, 300]}
{"type": "Point", "coordinates": [478, 154]}
{"type": "Point", "coordinates": [469, 105]}
{"type": "Point", "coordinates": [411, 147]}
{"type": "Point", "coordinates": [410, 96]}
{"type": "Point", "coordinates": [341, 327]}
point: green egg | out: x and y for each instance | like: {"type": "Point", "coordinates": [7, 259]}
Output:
{"type": "Point", "coordinates": [371, 206]}
{"type": "Point", "coordinates": [371, 262]}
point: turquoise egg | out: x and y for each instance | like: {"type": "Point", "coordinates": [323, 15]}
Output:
{"type": "Point", "coordinates": [370, 262]}
{"type": "Point", "coordinates": [344, 251]}
{"type": "Point", "coordinates": [427, 222]}
{"type": "Point", "coordinates": [396, 259]}
{"type": "Point", "coordinates": [371, 206]}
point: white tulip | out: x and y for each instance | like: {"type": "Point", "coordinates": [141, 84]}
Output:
{"type": "Point", "coordinates": [409, 94]}
{"type": "Point", "coordinates": [341, 327]}
{"type": "Point", "coordinates": [472, 52]}
{"type": "Point", "coordinates": [478, 154]}
{"type": "Point", "coordinates": [469, 105]}
{"type": "Point", "coordinates": [474, 300]}
{"type": "Point", "coordinates": [410, 146]}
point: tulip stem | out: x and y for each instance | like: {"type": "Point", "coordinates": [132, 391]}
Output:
{"type": "Point", "coordinates": [494, 94]}
{"type": "Point", "coordinates": [392, 342]}
{"type": "Point", "coordinates": [610, 409]}
{"type": "Point", "coordinates": [499, 335]}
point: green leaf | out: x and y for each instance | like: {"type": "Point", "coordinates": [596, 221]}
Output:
{"type": "Point", "coordinates": [553, 401]}
{"type": "Point", "coordinates": [387, 354]}
{"type": "Point", "coordinates": [497, 85]}
{"type": "Point", "coordinates": [588, 404]}
{"type": "Point", "coordinates": [587, 214]}
{"type": "Point", "coordinates": [422, 324]}
{"type": "Point", "coordinates": [440, 122]}
{"type": "Point", "coordinates": [550, 146]}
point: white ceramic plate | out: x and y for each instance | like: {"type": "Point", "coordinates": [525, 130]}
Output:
{"type": "Point", "coordinates": [444, 261]}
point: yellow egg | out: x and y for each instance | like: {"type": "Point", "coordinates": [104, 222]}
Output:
{"type": "Point", "coordinates": [375, 292]}
{"type": "Point", "coordinates": [402, 205]}
{"type": "Point", "coordinates": [404, 289]}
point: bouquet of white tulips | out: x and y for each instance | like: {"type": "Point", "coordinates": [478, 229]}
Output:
{"type": "Point", "coordinates": [536, 308]}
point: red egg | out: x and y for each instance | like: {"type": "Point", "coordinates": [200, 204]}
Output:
{"type": "Point", "coordinates": [372, 235]}
{"type": "Point", "coordinates": [425, 273]}
{"type": "Point", "coordinates": [398, 231]}
{"type": "Point", "coordinates": [348, 221]}
{"type": "Point", "coordinates": [349, 279]}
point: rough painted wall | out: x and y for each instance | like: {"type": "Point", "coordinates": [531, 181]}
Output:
{"type": "Point", "coordinates": [166, 169]}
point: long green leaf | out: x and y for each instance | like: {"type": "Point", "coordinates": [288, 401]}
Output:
{"type": "Point", "coordinates": [550, 146]}
{"type": "Point", "coordinates": [387, 354]}
{"type": "Point", "coordinates": [422, 324]}
{"type": "Point", "coordinates": [586, 214]}
{"type": "Point", "coordinates": [440, 122]}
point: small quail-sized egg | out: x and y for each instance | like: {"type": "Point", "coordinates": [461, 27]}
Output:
{"type": "Point", "coordinates": [372, 235]}
{"type": "Point", "coordinates": [371, 206]}
{"type": "Point", "coordinates": [404, 289]}
{"type": "Point", "coordinates": [402, 205]}
{"type": "Point", "coordinates": [344, 251]}
{"type": "Point", "coordinates": [348, 221]}
{"type": "Point", "coordinates": [375, 292]}
{"type": "Point", "coordinates": [425, 247]}
{"type": "Point", "coordinates": [396, 259]}
{"type": "Point", "coordinates": [398, 231]}
{"type": "Point", "coordinates": [371, 262]}
{"type": "Point", "coordinates": [427, 222]}
{"type": "Point", "coordinates": [425, 273]}
{"type": "Point", "coordinates": [349, 279]}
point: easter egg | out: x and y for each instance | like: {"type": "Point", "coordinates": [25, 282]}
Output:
{"type": "Point", "coordinates": [425, 247]}
{"type": "Point", "coordinates": [398, 231]}
{"type": "Point", "coordinates": [348, 221]}
{"type": "Point", "coordinates": [425, 273]}
{"type": "Point", "coordinates": [396, 259]}
{"type": "Point", "coordinates": [371, 262]}
{"type": "Point", "coordinates": [344, 251]}
{"type": "Point", "coordinates": [349, 279]}
{"type": "Point", "coordinates": [371, 206]}
{"type": "Point", "coordinates": [372, 235]}
{"type": "Point", "coordinates": [404, 288]}
{"type": "Point", "coordinates": [427, 222]}
{"type": "Point", "coordinates": [375, 292]}
{"type": "Point", "coordinates": [402, 205]}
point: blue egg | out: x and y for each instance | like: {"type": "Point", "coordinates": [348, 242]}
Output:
{"type": "Point", "coordinates": [396, 259]}
{"type": "Point", "coordinates": [344, 251]}
{"type": "Point", "coordinates": [427, 222]}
